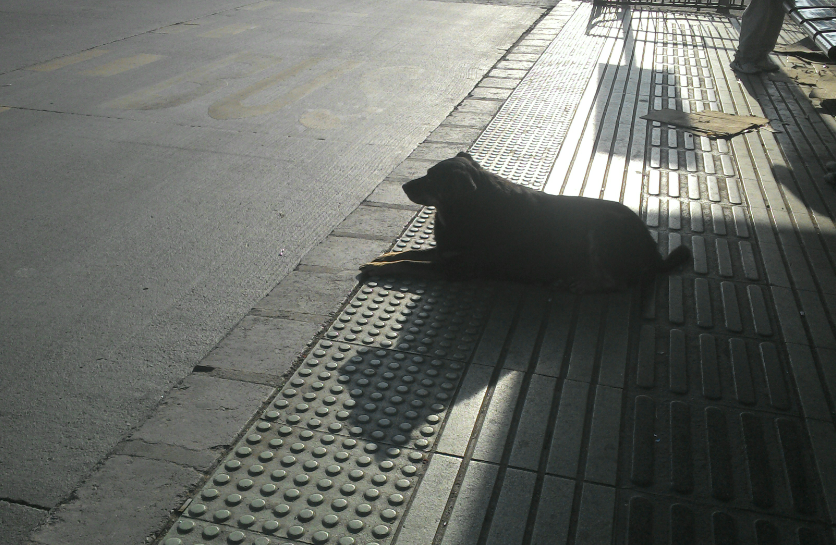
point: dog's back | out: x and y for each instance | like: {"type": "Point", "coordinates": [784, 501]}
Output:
{"type": "Point", "coordinates": [487, 226]}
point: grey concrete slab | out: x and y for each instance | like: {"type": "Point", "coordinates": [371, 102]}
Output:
{"type": "Point", "coordinates": [263, 345]}
{"type": "Point", "coordinates": [512, 506]}
{"type": "Point", "coordinates": [344, 253]}
{"type": "Point", "coordinates": [203, 413]}
{"type": "Point", "coordinates": [390, 193]}
{"type": "Point", "coordinates": [427, 509]}
{"type": "Point", "coordinates": [464, 413]}
{"type": "Point", "coordinates": [531, 428]}
{"type": "Point", "coordinates": [17, 522]}
{"type": "Point", "coordinates": [377, 223]}
{"type": "Point", "coordinates": [565, 450]}
{"type": "Point", "coordinates": [596, 515]}
{"type": "Point", "coordinates": [126, 500]}
{"type": "Point", "coordinates": [468, 515]}
{"type": "Point", "coordinates": [499, 417]}
{"type": "Point", "coordinates": [554, 511]}
{"type": "Point", "coordinates": [307, 295]}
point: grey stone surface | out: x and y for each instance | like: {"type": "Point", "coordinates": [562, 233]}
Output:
{"type": "Point", "coordinates": [463, 415]}
{"type": "Point", "coordinates": [513, 503]}
{"type": "Point", "coordinates": [201, 460]}
{"type": "Point", "coordinates": [126, 500]}
{"type": "Point", "coordinates": [18, 521]}
{"type": "Point", "coordinates": [262, 345]}
{"type": "Point", "coordinates": [202, 413]}
{"type": "Point", "coordinates": [391, 193]}
{"type": "Point", "coordinates": [465, 523]}
{"type": "Point", "coordinates": [344, 254]}
{"type": "Point", "coordinates": [427, 509]}
{"type": "Point", "coordinates": [373, 221]}
{"type": "Point", "coordinates": [595, 519]}
{"type": "Point", "coordinates": [309, 293]}
{"type": "Point", "coordinates": [499, 417]}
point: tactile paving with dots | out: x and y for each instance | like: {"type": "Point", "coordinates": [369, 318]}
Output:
{"type": "Point", "coordinates": [291, 483]}
{"type": "Point", "coordinates": [522, 142]}
{"type": "Point", "coordinates": [376, 394]}
{"type": "Point", "coordinates": [188, 531]}
{"type": "Point", "coordinates": [419, 233]}
{"type": "Point", "coordinates": [441, 319]}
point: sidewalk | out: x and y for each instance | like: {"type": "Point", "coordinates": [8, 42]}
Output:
{"type": "Point", "coordinates": [470, 413]}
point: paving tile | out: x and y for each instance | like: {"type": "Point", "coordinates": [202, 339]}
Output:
{"type": "Point", "coordinates": [465, 522]}
{"type": "Point", "coordinates": [595, 519]}
{"type": "Point", "coordinates": [564, 452]}
{"type": "Point", "coordinates": [554, 510]}
{"type": "Point", "coordinates": [511, 511]}
{"type": "Point", "coordinates": [464, 413]}
{"type": "Point", "coordinates": [427, 507]}
{"type": "Point", "coordinates": [499, 417]}
{"type": "Point", "coordinates": [602, 454]}
{"type": "Point", "coordinates": [531, 428]}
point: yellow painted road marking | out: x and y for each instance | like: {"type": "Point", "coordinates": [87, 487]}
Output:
{"type": "Point", "coordinates": [67, 61]}
{"type": "Point", "coordinates": [3, 108]}
{"type": "Point", "coordinates": [123, 65]}
{"type": "Point", "coordinates": [190, 85]}
{"type": "Point", "coordinates": [260, 5]}
{"type": "Point", "coordinates": [231, 107]}
{"type": "Point", "coordinates": [228, 30]}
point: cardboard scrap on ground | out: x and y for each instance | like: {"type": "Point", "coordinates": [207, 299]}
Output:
{"type": "Point", "coordinates": [711, 124]}
{"type": "Point", "coordinates": [802, 50]}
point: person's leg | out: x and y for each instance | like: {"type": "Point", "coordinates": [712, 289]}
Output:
{"type": "Point", "coordinates": [759, 28]}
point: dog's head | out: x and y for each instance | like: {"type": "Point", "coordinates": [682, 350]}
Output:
{"type": "Point", "coordinates": [448, 181]}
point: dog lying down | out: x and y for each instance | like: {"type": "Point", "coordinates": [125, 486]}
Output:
{"type": "Point", "coordinates": [488, 227]}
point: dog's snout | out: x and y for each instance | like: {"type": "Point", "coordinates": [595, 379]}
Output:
{"type": "Point", "coordinates": [415, 192]}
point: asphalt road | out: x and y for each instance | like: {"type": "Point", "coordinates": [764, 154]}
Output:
{"type": "Point", "coordinates": [163, 165]}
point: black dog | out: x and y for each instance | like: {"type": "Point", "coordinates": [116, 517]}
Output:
{"type": "Point", "coordinates": [488, 227]}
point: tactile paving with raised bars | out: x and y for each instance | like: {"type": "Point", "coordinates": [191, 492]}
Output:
{"type": "Point", "coordinates": [712, 428]}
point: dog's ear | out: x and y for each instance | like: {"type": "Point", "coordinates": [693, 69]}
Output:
{"type": "Point", "coordinates": [460, 183]}
{"type": "Point", "coordinates": [465, 155]}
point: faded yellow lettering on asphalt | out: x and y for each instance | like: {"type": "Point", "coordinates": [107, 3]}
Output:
{"type": "Point", "coordinates": [229, 30]}
{"type": "Point", "coordinates": [123, 65]}
{"type": "Point", "coordinates": [67, 61]}
{"type": "Point", "coordinates": [192, 84]}
{"type": "Point", "coordinates": [232, 107]}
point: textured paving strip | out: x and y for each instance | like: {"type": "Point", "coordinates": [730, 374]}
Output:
{"type": "Point", "coordinates": [700, 411]}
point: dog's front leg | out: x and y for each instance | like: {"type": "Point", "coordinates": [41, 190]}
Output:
{"type": "Point", "coordinates": [423, 269]}
{"type": "Point", "coordinates": [429, 254]}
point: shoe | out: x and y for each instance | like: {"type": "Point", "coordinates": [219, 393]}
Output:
{"type": "Point", "coordinates": [745, 67]}
{"type": "Point", "coordinates": [767, 65]}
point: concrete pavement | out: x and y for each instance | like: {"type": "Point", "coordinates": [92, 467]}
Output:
{"type": "Point", "coordinates": [435, 412]}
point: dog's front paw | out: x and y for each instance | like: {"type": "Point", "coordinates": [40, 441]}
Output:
{"type": "Point", "coordinates": [372, 268]}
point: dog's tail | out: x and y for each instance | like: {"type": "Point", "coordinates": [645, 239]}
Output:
{"type": "Point", "coordinates": [679, 256]}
